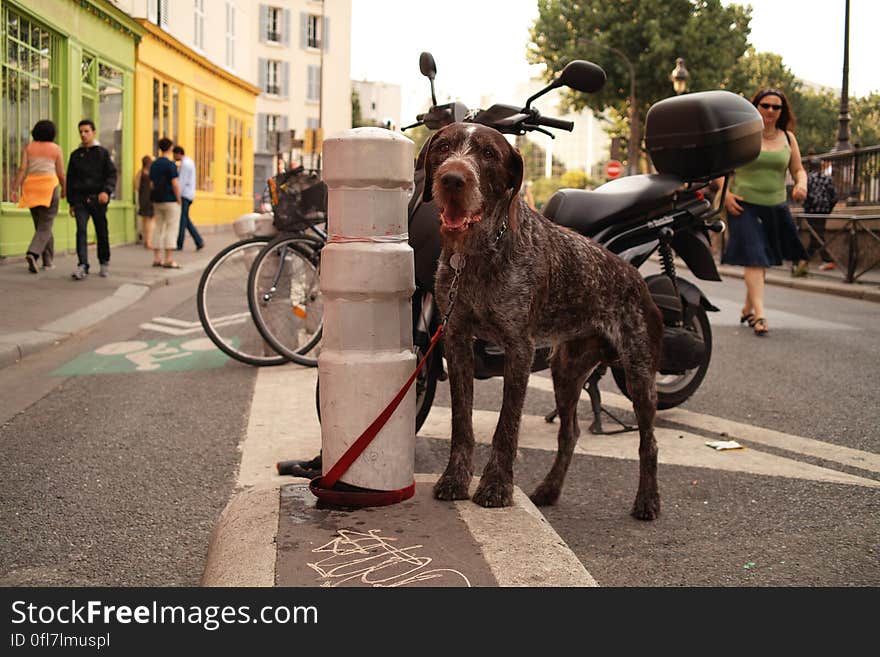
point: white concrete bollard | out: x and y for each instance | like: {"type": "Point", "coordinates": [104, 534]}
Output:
{"type": "Point", "coordinates": [367, 280]}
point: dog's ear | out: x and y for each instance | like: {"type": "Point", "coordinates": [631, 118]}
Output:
{"type": "Point", "coordinates": [515, 172]}
{"type": "Point", "coordinates": [427, 190]}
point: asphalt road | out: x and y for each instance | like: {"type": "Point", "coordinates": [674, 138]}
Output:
{"type": "Point", "coordinates": [116, 477]}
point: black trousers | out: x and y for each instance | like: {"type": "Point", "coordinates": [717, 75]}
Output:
{"type": "Point", "coordinates": [98, 213]}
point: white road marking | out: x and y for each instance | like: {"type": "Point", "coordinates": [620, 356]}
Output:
{"type": "Point", "coordinates": [180, 327]}
{"type": "Point", "coordinates": [735, 430]}
{"type": "Point", "coordinates": [284, 426]}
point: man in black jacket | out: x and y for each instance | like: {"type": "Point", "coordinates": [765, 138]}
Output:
{"type": "Point", "coordinates": [91, 179]}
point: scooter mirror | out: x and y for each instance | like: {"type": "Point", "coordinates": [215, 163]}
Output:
{"type": "Point", "coordinates": [583, 76]}
{"type": "Point", "coordinates": [427, 65]}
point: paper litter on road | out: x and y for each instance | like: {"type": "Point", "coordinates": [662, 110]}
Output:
{"type": "Point", "coordinates": [724, 444]}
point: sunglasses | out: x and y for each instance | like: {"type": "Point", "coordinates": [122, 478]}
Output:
{"type": "Point", "coordinates": [769, 106]}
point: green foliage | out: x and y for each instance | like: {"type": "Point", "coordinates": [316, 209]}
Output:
{"type": "Point", "coordinates": [865, 123]}
{"type": "Point", "coordinates": [544, 188]}
{"type": "Point", "coordinates": [649, 35]}
{"type": "Point", "coordinates": [356, 118]}
{"type": "Point", "coordinates": [575, 179]}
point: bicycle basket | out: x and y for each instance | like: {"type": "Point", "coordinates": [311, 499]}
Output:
{"type": "Point", "coordinates": [299, 200]}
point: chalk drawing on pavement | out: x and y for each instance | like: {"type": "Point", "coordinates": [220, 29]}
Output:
{"type": "Point", "coordinates": [374, 561]}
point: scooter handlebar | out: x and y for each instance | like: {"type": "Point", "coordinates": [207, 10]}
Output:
{"type": "Point", "coordinates": [556, 123]}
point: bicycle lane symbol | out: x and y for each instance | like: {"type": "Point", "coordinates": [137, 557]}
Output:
{"type": "Point", "coordinates": [146, 356]}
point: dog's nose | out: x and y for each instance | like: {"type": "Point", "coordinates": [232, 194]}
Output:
{"type": "Point", "coordinates": [452, 181]}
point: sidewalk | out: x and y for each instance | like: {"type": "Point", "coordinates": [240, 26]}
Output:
{"type": "Point", "coordinates": [39, 310]}
{"type": "Point", "coordinates": [866, 287]}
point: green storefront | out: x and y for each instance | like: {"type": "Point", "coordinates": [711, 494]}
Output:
{"type": "Point", "coordinates": [66, 60]}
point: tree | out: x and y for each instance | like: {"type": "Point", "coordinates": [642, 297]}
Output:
{"type": "Point", "coordinates": [649, 35]}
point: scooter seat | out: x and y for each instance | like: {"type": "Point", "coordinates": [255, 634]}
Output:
{"type": "Point", "coordinates": [588, 212]}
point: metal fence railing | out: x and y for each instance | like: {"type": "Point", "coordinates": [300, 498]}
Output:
{"type": "Point", "coordinates": [854, 245]}
{"type": "Point", "coordinates": [856, 174]}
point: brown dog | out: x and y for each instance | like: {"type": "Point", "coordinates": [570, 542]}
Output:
{"type": "Point", "coordinates": [523, 280]}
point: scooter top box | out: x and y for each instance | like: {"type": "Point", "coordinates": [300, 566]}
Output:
{"type": "Point", "coordinates": [702, 135]}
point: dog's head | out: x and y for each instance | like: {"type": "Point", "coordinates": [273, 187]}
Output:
{"type": "Point", "coordinates": [474, 176]}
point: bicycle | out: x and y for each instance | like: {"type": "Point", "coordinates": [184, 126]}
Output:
{"type": "Point", "coordinates": [222, 304]}
{"type": "Point", "coordinates": [283, 287]}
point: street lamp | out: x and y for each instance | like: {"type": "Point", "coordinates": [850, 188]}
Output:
{"type": "Point", "coordinates": [679, 76]}
{"type": "Point", "coordinates": [843, 132]}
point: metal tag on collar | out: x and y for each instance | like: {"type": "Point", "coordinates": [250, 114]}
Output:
{"type": "Point", "coordinates": [456, 261]}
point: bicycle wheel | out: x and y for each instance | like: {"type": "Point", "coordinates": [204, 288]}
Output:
{"type": "Point", "coordinates": [284, 296]}
{"type": "Point", "coordinates": [223, 308]}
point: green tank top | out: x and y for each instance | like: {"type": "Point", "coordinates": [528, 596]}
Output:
{"type": "Point", "coordinates": [762, 181]}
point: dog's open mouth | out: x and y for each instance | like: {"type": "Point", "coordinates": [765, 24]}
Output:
{"type": "Point", "coordinates": [457, 222]}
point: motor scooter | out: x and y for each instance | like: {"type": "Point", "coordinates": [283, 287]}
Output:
{"type": "Point", "coordinates": [693, 140]}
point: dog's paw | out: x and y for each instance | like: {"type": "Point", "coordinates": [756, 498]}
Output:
{"type": "Point", "coordinates": [493, 493]}
{"type": "Point", "coordinates": [646, 507]}
{"type": "Point", "coordinates": [449, 487]}
{"type": "Point", "coordinates": [544, 495]}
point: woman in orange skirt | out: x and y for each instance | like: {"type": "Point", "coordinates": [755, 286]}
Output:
{"type": "Point", "coordinates": [41, 178]}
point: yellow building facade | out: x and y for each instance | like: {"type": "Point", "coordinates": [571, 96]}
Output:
{"type": "Point", "coordinates": [205, 109]}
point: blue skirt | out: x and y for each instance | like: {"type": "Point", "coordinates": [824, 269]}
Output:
{"type": "Point", "coordinates": [762, 236]}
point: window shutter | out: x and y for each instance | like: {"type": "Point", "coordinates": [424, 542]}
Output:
{"type": "Point", "coordinates": [163, 13]}
{"type": "Point", "coordinates": [153, 11]}
{"type": "Point", "coordinates": [285, 79]}
{"type": "Point", "coordinates": [264, 23]}
{"type": "Point", "coordinates": [303, 30]}
{"type": "Point", "coordinates": [325, 34]}
{"type": "Point", "coordinates": [285, 28]}
{"type": "Point", "coordinates": [263, 73]}
{"type": "Point", "coordinates": [261, 133]}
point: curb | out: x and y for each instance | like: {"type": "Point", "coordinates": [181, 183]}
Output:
{"type": "Point", "coordinates": [865, 292]}
{"type": "Point", "coordinates": [516, 544]}
{"type": "Point", "coordinates": [15, 346]}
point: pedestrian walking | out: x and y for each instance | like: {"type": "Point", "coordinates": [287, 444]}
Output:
{"type": "Point", "coordinates": [166, 206]}
{"type": "Point", "coordinates": [187, 196]}
{"type": "Point", "coordinates": [91, 180]}
{"type": "Point", "coordinates": [41, 179]}
{"type": "Point", "coordinates": [144, 187]}
{"type": "Point", "coordinates": [821, 199]}
{"type": "Point", "coordinates": [762, 230]}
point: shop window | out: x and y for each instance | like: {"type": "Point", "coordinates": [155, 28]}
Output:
{"type": "Point", "coordinates": [204, 147]}
{"type": "Point", "coordinates": [234, 156]}
{"type": "Point", "coordinates": [29, 88]}
{"type": "Point", "coordinates": [109, 121]}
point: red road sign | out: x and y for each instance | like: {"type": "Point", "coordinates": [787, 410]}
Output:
{"type": "Point", "coordinates": [613, 169]}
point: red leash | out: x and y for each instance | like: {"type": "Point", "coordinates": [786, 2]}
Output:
{"type": "Point", "coordinates": [322, 486]}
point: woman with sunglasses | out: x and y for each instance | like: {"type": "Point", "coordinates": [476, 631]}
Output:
{"type": "Point", "coordinates": [762, 232]}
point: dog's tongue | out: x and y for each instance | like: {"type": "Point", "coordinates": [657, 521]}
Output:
{"type": "Point", "coordinates": [457, 222]}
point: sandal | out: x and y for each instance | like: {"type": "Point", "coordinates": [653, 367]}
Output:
{"type": "Point", "coordinates": [157, 264]}
{"type": "Point", "coordinates": [760, 327]}
{"type": "Point", "coordinates": [171, 265]}
{"type": "Point", "coordinates": [747, 318]}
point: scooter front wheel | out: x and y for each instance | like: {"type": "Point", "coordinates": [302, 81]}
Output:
{"type": "Point", "coordinates": [675, 389]}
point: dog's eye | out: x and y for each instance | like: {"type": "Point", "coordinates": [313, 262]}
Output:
{"type": "Point", "coordinates": [442, 147]}
{"type": "Point", "coordinates": [488, 152]}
